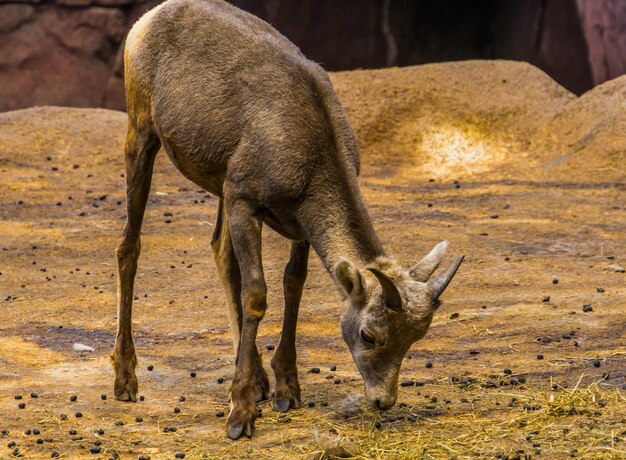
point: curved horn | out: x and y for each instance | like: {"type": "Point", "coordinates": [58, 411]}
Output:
{"type": "Point", "coordinates": [390, 291]}
{"type": "Point", "coordinates": [440, 283]}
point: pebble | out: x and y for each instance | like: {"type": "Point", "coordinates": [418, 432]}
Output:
{"type": "Point", "coordinates": [407, 383]}
{"type": "Point", "coordinates": [36, 431]}
{"type": "Point", "coordinates": [138, 419]}
{"type": "Point", "coordinates": [18, 396]}
{"type": "Point", "coordinates": [555, 280]}
{"type": "Point", "coordinates": [333, 368]}
{"type": "Point", "coordinates": [177, 410]}
{"type": "Point", "coordinates": [73, 398]}
{"type": "Point", "coordinates": [315, 370]}
{"type": "Point", "coordinates": [11, 444]}
{"type": "Point", "coordinates": [150, 367]}
{"type": "Point", "coordinates": [103, 397]}
{"type": "Point", "coordinates": [22, 405]}
{"type": "Point", "coordinates": [337, 381]}
{"type": "Point", "coordinates": [596, 363]}
{"type": "Point", "coordinates": [34, 395]}
{"type": "Point", "coordinates": [95, 449]}
{"type": "Point", "coordinates": [78, 414]}
{"type": "Point", "coordinates": [39, 441]}
{"type": "Point", "coordinates": [539, 357]}
{"type": "Point", "coordinates": [507, 371]}
{"type": "Point", "coordinates": [119, 423]}
{"type": "Point", "coordinates": [142, 398]}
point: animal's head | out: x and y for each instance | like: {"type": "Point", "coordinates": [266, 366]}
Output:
{"type": "Point", "coordinates": [388, 309]}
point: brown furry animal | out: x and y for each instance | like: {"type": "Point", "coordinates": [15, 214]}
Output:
{"type": "Point", "coordinates": [243, 114]}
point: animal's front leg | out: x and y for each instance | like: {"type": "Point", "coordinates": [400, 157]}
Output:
{"type": "Point", "coordinates": [246, 238]}
{"type": "Point", "coordinates": [287, 393]}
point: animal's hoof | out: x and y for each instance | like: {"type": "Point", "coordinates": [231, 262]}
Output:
{"type": "Point", "coordinates": [282, 405]}
{"type": "Point", "coordinates": [126, 389]}
{"type": "Point", "coordinates": [236, 429]}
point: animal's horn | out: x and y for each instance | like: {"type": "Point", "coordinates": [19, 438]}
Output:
{"type": "Point", "coordinates": [390, 291]}
{"type": "Point", "coordinates": [440, 283]}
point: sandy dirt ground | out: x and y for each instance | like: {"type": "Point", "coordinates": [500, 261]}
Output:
{"type": "Point", "coordinates": [519, 175]}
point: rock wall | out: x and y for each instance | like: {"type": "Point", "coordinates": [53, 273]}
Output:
{"type": "Point", "coordinates": [68, 52]}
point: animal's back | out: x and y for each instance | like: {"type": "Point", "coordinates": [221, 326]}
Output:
{"type": "Point", "coordinates": [215, 79]}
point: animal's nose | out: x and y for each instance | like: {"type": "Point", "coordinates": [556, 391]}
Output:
{"type": "Point", "coordinates": [383, 404]}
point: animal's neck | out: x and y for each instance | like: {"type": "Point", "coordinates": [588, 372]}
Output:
{"type": "Point", "coordinates": [338, 225]}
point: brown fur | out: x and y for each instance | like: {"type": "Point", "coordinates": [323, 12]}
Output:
{"type": "Point", "coordinates": [243, 114]}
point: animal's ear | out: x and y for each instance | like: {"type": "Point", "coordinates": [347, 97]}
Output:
{"type": "Point", "coordinates": [439, 283]}
{"type": "Point", "coordinates": [350, 280]}
{"type": "Point", "coordinates": [427, 266]}
{"type": "Point", "coordinates": [391, 295]}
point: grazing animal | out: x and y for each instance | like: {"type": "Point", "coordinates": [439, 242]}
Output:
{"type": "Point", "coordinates": [244, 115]}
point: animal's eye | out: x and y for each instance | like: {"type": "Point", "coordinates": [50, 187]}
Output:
{"type": "Point", "coordinates": [368, 338]}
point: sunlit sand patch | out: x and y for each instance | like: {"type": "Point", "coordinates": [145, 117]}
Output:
{"type": "Point", "coordinates": [15, 351]}
{"type": "Point", "coordinates": [454, 150]}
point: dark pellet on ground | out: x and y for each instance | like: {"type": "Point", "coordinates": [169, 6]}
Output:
{"type": "Point", "coordinates": [138, 419]}
{"type": "Point", "coordinates": [36, 431]}
{"type": "Point", "coordinates": [337, 381]}
{"type": "Point", "coordinates": [73, 398]}
{"type": "Point", "coordinates": [507, 371]}
{"type": "Point", "coordinates": [11, 444]}
{"type": "Point", "coordinates": [22, 405]}
{"type": "Point", "coordinates": [103, 397]}
{"type": "Point", "coordinates": [182, 399]}
{"type": "Point", "coordinates": [166, 429]}
{"type": "Point", "coordinates": [39, 441]}
{"type": "Point", "coordinates": [220, 380]}
{"type": "Point", "coordinates": [72, 432]}
{"type": "Point", "coordinates": [474, 352]}
{"type": "Point", "coordinates": [63, 417]}
{"type": "Point", "coordinates": [324, 403]}
{"type": "Point", "coordinates": [333, 368]}
{"type": "Point", "coordinates": [179, 455]}
{"type": "Point", "coordinates": [27, 432]}
{"type": "Point", "coordinates": [587, 308]}
{"type": "Point", "coordinates": [34, 395]}
{"type": "Point", "coordinates": [407, 383]}
{"type": "Point", "coordinates": [143, 457]}
{"type": "Point", "coordinates": [454, 316]}
{"type": "Point", "coordinates": [494, 216]}
{"type": "Point", "coordinates": [150, 367]}
{"type": "Point", "coordinates": [377, 424]}
{"type": "Point", "coordinates": [193, 374]}
{"type": "Point", "coordinates": [18, 396]}
{"type": "Point", "coordinates": [95, 449]}
{"type": "Point", "coordinates": [429, 365]}
{"type": "Point", "coordinates": [600, 290]}
{"type": "Point", "coordinates": [54, 454]}
{"type": "Point", "coordinates": [555, 280]}
{"type": "Point", "coordinates": [596, 363]}
{"type": "Point", "coordinates": [173, 429]}
{"type": "Point", "coordinates": [177, 410]}
{"type": "Point", "coordinates": [555, 386]}
{"type": "Point", "coordinates": [539, 356]}
{"type": "Point", "coordinates": [142, 398]}
{"type": "Point", "coordinates": [269, 347]}
{"type": "Point", "coordinates": [546, 298]}
{"type": "Point", "coordinates": [310, 404]}
{"type": "Point", "coordinates": [119, 423]}
{"type": "Point", "coordinates": [78, 414]}
{"type": "Point", "coordinates": [219, 414]}
{"type": "Point", "coordinates": [315, 370]}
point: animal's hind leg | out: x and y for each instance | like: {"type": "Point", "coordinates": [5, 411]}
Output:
{"type": "Point", "coordinates": [230, 276]}
{"type": "Point", "coordinates": [141, 147]}
{"type": "Point", "coordinates": [287, 392]}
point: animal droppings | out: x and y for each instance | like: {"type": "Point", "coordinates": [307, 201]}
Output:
{"type": "Point", "coordinates": [182, 399]}
{"type": "Point", "coordinates": [555, 280]}
{"type": "Point", "coordinates": [219, 414]}
{"type": "Point", "coordinates": [407, 383]}
{"type": "Point", "coordinates": [36, 431]}
{"type": "Point", "coordinates": [315, 370]}
{"type": "Point", "coordinates": [587, 308]}
{"type": "Point", "coordinates": [177, 410]}
{"type": "Point", "coordinates": [193, 374]}
{"type": "Point", "coordinates": [150, 367]}
{"type": "Point", "coordinates": [22, 405]}
{"type": "Point", "coordinates": [95, 449]}
{"type": "Point", "coordinates": [429, 365]}
{"type": "Point", "coordinates": [596, 363]}
{"type": "Point", "coordinates": [34, 395]}
{"type": "Point", "coordinates": [269, 347]}
{"type": "Point", "coordinates": [78, 414]}
{"type": "Point", "coordinates": [103, 397]}
{"type": "Point", "coordinates": [179, 455]}
{"type": "Point", "coordinates": [73, 398]}
{"type": "Point", "coordinates": [333, 368]}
